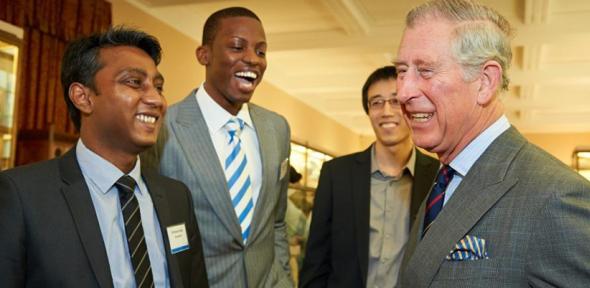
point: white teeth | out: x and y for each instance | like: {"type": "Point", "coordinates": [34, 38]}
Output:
{"type": "Point", "coordinates": [388, 125]}
{"type": "Point", "coordinates": [146, 118]}
{"type": "Point", "coordinates": [421, 117]}
{"type": "Point", "coordinates": [247, 74]}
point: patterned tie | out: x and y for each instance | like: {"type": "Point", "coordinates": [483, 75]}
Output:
{"type": "Point", "coordinates": [437, 196]}
{"type": "Point", "coordinates": [134, 231]}
{"type": "Point", "coordinates": [238, 176]}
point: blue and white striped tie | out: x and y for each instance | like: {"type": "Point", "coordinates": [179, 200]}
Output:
{"type": "Point", "coordinates": [237, 173]}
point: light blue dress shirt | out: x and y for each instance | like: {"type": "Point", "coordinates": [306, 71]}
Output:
{"type": "Point", "coordinates": [465, 160]}
{"type": "Point", "coordinates": [100, 176]}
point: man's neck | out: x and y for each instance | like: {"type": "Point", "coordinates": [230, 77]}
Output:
{"type": "Point", "coordinates": [124, 161]}
{"type": "Point", "coordinates": [487, 119]}
{"type": "Point", "coordinates": [232, 108]}
{"type": "Point", "coordinates": [392, 160]}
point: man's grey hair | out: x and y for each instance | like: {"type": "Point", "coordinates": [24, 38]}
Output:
{"type": "Point", "coordinates": [481, 34]}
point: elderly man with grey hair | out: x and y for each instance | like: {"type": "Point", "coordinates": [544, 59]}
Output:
{"type": "Point", "coordinates": [502, 213]}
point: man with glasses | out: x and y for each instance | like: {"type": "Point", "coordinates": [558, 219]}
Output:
{"type": "Point", "coordinates": [366, 202]}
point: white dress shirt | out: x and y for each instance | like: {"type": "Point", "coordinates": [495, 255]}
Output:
{"type": "Point", "coordinates": [216, 117]}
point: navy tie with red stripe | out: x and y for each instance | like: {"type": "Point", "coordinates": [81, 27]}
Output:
{"type": "Point", "coordinates": [437, 196]}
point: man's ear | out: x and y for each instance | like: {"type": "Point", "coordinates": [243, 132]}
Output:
{"type": "Point", "coordinates": [81, 96]}
{"type": "Point", "coordinates": [203, 54]}
{"type": "Point", "coordinates": [491, 80]}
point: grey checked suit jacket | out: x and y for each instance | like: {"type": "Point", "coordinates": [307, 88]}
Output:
{"type": "Point", "coordinates": [532, 210]}
{"type": "Point", "coordinates": [185, 152]}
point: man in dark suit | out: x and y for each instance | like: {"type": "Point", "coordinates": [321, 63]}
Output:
{"type": "Point", "coordinates": [240, 208]}
{"type": "Point", "coordinates": [503, 213]}
{"type": "Point", "coordinates": [366, 202]}
{"type": "Point", "coordinates": [94, 217]}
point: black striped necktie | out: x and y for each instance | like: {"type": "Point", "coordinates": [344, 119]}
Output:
{"type": "Point", "coordinates": [134, 231]}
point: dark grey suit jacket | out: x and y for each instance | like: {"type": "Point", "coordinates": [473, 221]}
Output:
{"type": "Point", "coordinates": [533, 212]}
{"type": "Point", "coordinates": [50, 236]}
{"type": "Point", "coordinates": [185, 152]}
{"type": "Point", "coordinates": [338, 246]}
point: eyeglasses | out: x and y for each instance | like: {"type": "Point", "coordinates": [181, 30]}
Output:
{"type": "Point", "coordinates": [379, 103]}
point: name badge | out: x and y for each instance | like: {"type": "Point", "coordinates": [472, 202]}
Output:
{"type": "Point", "coordinates": [177, 238]}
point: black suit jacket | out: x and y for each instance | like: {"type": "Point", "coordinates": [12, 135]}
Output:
{"type": "Point", "coordinates": [338, 247]}
{"type": "Point", "coordinates": [50, 236]}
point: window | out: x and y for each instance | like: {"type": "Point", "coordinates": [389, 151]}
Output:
{"type": "Point", "coordinates": [9, 48]}
{"type": "Point", "coordinates": [308, 162]}
{"type": "Point", "coordinates": [581, 160]}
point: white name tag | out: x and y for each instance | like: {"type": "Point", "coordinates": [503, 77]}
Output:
{"type": "Point", "coordinates": [177, 237]}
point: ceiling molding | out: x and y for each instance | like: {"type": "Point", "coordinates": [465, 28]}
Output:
{"type": "Point", "coordinates": [321, 51]}
{"type": "Point", "coordinates": [350, 14]}
{"type": "Point", "coordinates": [536, 11]}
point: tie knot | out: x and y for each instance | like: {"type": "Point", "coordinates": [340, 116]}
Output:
{"type": "Point", "coordinates": [446, 174]}
{"type": "Point", "coordinates": [125, 185]}
{"type": "Point", "coordinates": [234, 127]}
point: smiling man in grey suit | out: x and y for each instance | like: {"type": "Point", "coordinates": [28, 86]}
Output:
{"type": "Point", "coordinates": [510, 215]}
{"type": "Point", "coordinates": [237, 174]}
{"type": "Point", "coordinates": [95, 217]}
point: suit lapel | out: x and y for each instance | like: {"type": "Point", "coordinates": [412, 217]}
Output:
{"type": "Point", "coordinates": [264, 132]}
{"type": "Point", "coordinates": [161, 204]}
{"type": "Point", "coordinates": [78, 198]}
{"type": "Point", "coordinates": [195, 141]}
{"type": "Point", "coordinates": [361, 195]}
{"type": "Point", "coordinates": [482, 187]}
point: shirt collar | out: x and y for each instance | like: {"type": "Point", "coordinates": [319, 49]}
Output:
{"type": "Point", "coordinates": [409, 165]}
{"type": "Point", "coordinates": [100, 171]}
{"type": "Point", "coordinates": [215, 116]}
{"type": "Point", "coordinates": [466, 158]}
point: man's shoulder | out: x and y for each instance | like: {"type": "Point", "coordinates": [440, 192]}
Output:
{"type": "Point", "coordinates": [30, 172]}
{"type": "Point", "coordinates": [537, 172]}
{"type": "Point", "coordinates": [269, 115]}
{"type": "Point", "coordinates": [535, 162]}
{"type": "Point", "coordinates": [184, 102]}
{"type": "Point", "coordinates": [350, 159]}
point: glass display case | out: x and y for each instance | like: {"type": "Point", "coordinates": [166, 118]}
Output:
{"type": "Point", "coordinates": [307, 162]}
{"type": "Point", "coordinates": [9, 49]}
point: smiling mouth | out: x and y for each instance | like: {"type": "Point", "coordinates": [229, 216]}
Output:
{"type": "Point", "coordinates": [146, 118]}
{"type": "Point", "coordinates": [420, 117]}
{"type": "Point", "coordinates": [388, 125]}
{"type": "Point", "coordinates": [248, 76]}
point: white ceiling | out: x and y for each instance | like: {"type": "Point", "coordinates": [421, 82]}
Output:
{"type": "Point", "coordinates": [321, 52]}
